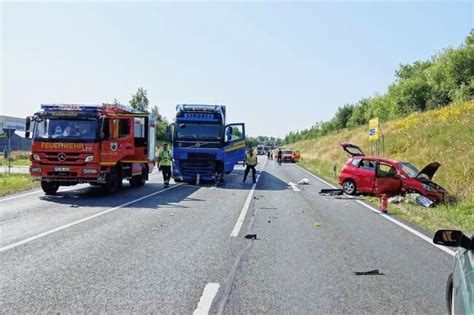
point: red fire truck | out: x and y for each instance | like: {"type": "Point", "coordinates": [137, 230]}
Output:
{"type": "Point", "coordinates": [96, 144]}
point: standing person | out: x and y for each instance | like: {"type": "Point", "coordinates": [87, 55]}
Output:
{"type": "Point", "coordinates": [164, 164]}
{"type": "Point", "coordinates": [280, 156]}
{"type": "Point", "coordinates": [250, 162]}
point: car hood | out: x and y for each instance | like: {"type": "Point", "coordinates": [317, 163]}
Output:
{"type": "Point", "coordinates": [429, 170]}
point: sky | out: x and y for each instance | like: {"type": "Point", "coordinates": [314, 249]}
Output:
{"type": "Point", "coordinates": [277, 66]}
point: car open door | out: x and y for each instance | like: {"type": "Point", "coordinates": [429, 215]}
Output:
{"type": "Point", "coordinates": [353, 150]}
{"type": "Point", "coordinates": [234, 149]}
{"type": "Point", "coordinates": [387, 180]}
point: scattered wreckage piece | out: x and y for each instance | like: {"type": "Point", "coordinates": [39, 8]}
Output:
{"type": "Point", "coordinates": [331, 192]}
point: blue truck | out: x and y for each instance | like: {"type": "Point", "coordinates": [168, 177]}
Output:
{"type": "Point", "coordinates": [205, 148]}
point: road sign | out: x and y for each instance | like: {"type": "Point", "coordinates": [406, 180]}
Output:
{"type": "Point", "coordinates": [9, 132]}
{"type": "Point", "coordinates": [374, 129]}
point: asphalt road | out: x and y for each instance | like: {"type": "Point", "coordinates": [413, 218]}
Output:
{"type": "Point", "coordinates": [182, 249]}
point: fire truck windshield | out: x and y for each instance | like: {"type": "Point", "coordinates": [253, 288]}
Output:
{"type": "Point", "coordinates": [66, 129]}
{"type": "Point", "coordinates": [193, 132]}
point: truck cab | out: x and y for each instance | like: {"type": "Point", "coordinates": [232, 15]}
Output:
{"type": "Point", "coordinates": [204, 146]}
{"type": "Point", "coordinates": [96, 144]}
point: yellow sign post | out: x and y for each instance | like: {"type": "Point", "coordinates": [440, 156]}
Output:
{"type": "Point", "coordinates": [377, 142]}
{"type": "Point", "coordinates": [374, 129]}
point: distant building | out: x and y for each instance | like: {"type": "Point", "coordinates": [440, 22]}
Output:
{"type": "Point", "coordinates": [18, 142]}
{"type": "Point", "coordinates": [11, 122]}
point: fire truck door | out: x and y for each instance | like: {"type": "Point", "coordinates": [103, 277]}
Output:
{"type": "Point", "coordinates": [119, 142]}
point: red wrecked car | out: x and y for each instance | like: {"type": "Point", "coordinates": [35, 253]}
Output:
{"type": "Point", "coordinates": [376, 175]}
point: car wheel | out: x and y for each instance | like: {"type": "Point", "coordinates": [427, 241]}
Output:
{"type": "Point", "coordinates": [349, 187]}
{"type": "Point", "coordinates": [450, 295]}
{"type": "Point", "coordinates": [49, 188]}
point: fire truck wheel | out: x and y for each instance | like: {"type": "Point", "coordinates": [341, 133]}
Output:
{"type": "Point", "coordinates": [49, 188]}
{"type": "Point", "coordinates": [113, 182]}
{"type": "Point", "coordinates": [139, 180]}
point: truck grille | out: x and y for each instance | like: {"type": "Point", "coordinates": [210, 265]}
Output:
{"type": "Point", "coordinates": [72, 158]}
{"type": "Point", "coordinates": [202, 156]}
{"type": "Point", "coordinates": [194, 167]}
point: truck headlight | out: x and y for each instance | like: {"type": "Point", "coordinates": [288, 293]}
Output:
{"type": "Point", "coordinates": [89, 171]}
{"type": "Point", "coordinates": [35, 170]}
{"type": "Point", "coordinates": [89, 158]}
{"type": "Point", "coordinates": [36, 157]}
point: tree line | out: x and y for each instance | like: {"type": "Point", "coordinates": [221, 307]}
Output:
{"type": "Point", "coordinates": [141, 102]}
{"type": "Point", "coordinates": [446, 78]}
{"type": "Point", "coordinates": [263, 140]}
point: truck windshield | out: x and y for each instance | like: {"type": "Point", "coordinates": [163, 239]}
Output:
{"type": "Point", "coordinates": [66, 129]}
{"type": "Point", "coordinates": [409, 169]}
{"type": "Point", "coordinates": [193, 132]}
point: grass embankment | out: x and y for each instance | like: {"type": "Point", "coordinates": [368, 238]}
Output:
{"type": "Point", "coordinates": [444, 135]}
{"type": "Point", "coordinates": [13, 183]}
{"type": "Point", "coordinates": [17, 158]}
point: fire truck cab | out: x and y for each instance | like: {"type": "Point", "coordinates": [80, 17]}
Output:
{"type": "Point", "coordinates": [96, 144]}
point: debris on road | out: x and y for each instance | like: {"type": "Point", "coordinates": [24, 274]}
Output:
{"type": "Point", "coordinates": [251, 236]}
{"type": "Point", "coordinates": [331, 192]}
{"type": "Point", "coordinates": [347, 198]}
{"type": "Point", "coordinates": [396, 199]}
{"type": "Point", "coordinates": [304, 181]}
{"type": "Point", "coordinates": [160, 226]}
{"type": "Point", "coordinates": [374, 272]}
{"type": "Point", "coordinates": [317, 224]}
{"type": "Point", "coordinates": [418, 199]}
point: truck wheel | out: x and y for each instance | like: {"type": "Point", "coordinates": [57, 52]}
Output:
{"type": "Point", "coordinates": [114, 182]}
{"type": "Point", "coordinates": [349, 187]}
{"type": "Point", "coordinates": [139, 180]}
{"type": "Point", "coordinates": [49, 188]}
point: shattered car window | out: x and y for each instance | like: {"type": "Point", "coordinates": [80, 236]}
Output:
{"type": "Point", "coordinates": [409, 169]}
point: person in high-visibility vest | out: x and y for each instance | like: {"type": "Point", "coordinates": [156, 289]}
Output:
{"type": "Point", "coordinates": [250, 162]}
{"type": "Point", "coordinates": [164, 164]}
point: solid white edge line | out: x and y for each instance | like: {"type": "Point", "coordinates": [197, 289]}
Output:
{"type": "Point", "coordinates": [243, 213]}
{"type": "Point", "coordinates": [36, 192]}
{"type": "Point", "coordinates": [208, 295]}
{"type": "Point", "coordinates": [391, 219]}
{"type": "Point", "coordinates": [40, 191]}
{"type": "Point", "coordinates": [16, 244]}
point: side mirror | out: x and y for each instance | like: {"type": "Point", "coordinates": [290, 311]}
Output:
{"type": "Point", "coordinates": [27, 127]}
{"type": "Point", "coordinates": [452, 238]}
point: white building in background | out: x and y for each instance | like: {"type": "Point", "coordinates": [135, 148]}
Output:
{"type": "Point", "coordinates": [18, 142]}
{"type": "Point", "coordinates": [11, 122]}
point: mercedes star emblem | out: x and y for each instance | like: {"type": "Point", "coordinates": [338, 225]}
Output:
{"type": "Point", "coordinates": [62, 157]}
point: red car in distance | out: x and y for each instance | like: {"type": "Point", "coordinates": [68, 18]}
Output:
{"type": "Point", "coordinates": [376, 175]}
